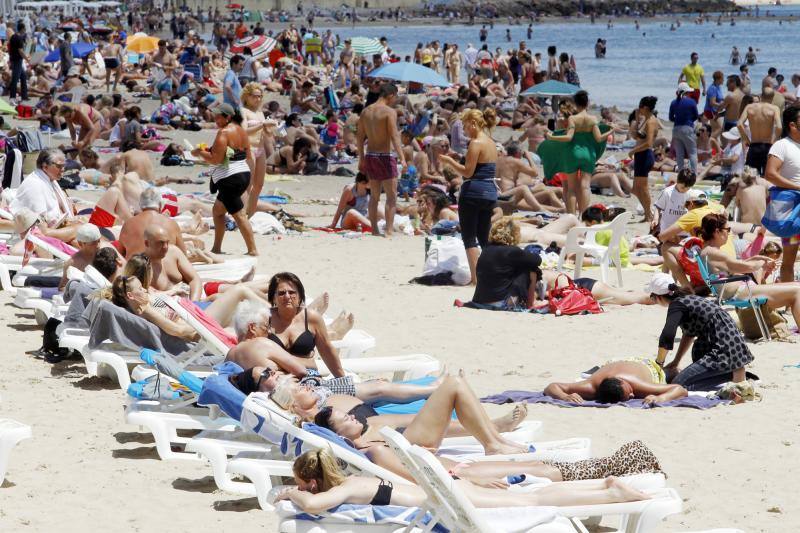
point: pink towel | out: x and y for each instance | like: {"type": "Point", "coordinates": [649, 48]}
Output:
{"type": "Point", "coordinates": [58, 244]}
{"type": "Point", "coordinates": [213, 326]}
{"type": "Point", "coordinates": [755, 247]}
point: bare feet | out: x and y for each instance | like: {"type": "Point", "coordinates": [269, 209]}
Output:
{"type": "Point", "coordinates": [341, 325]}
{"type": "Point", "coordinates": [320, 303]}
{"type": "Point", "coordinates": [623, 492]}
{"type": "Point", "coordinates": [513, 419]}
{"type": "Point", "coordinates": [505, 448]}
{"type": "Point", "coordinates": [250, 274]}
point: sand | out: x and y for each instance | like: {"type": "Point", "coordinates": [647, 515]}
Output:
{"type": "Point", "coordinates": [734, 466]}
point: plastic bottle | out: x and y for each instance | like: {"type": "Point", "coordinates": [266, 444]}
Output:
{"type": "Point", "coordinates": [352, 235]}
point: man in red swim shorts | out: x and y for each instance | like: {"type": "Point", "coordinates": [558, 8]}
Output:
{"type": "Point", "coordinates": [377, 126]}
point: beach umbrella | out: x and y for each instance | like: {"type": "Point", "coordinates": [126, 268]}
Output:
{"type": "Point", "coordinates": [100, 30]}
{"type": "Point", "coordinates": [551, 88]}
{"type": "Point", "coordinates": [261, 45]}
{"type": "Point", "coordinates": [403, 71]}
{"type": "Point", "coordinates": [235, 6]}
{"type": "Point", "coordinates": [275, 56]}
{"type": "Point", "coordinates": [78, 50]}
{"type": "Point", "coordinates": [142, 43]}
{"type": "Point", "coordinates": [365, 46]}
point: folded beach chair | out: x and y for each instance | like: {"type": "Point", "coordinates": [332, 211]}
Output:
{"type": "Point", "coordinates": [447, 503]}
{"type": "Point", "coordinates": [11, 433]}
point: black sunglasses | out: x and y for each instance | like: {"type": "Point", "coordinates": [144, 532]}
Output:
{"type": "Point", "coordinates": [264, 375]}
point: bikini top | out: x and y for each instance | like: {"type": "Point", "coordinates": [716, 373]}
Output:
{"type": "Point", "coordinates": [302, 346]}
{"type": "Point", "coordinates": [383, 496]}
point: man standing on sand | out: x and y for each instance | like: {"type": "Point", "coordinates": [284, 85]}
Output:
{"type": "Point", "coordinates": [783, 170]}
{"type": "Point", "coordinates": [376, 135]}
{"type": "Point", "coordinates": [694, 75]}
{"type": "Point", "coordinates": [765, 127]}
{"type": "Point", "coordinates": [729, 109]}
{"type": "Point", "coordinates": [170, 265]}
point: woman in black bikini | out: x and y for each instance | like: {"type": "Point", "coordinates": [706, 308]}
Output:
{"type": "Point", "coordinates": [295, 328]}
{"type": "Point", "coordinates": [321, 485]}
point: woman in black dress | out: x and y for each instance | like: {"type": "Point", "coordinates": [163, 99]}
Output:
{"type": "Point", "coordinates": [719, 352]}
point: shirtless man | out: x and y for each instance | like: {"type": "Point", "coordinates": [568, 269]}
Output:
{"type": "Point", "coordinates": [751, 192]}
{"type": "Point", "coordinates": [170, 265]}
{"type": "Point", "coordinates": [116, 204]}
{"type": "Point", "coordinates": [131, 240]}
{"type": "Point", "coordinates": [88, 240]}
{"type": "Point", "coordinates": [516, 182]}
{"type": "Point", "coordinates": [346, 57]}
{"type": "Point", "coordinates": [618, 382]}
{"type": "Point", "coordinates": [729, 108]}
{"type": "Point", "coordinates": [133, 161]}
{"type": "Point", "coordinates": [764, 119]}
{"type": "Point", "coordinates": [112, 59]}
{"type": "Point", "coordinates": [377, 128]}
{"type": "Point", "coordinates": [164, 59]}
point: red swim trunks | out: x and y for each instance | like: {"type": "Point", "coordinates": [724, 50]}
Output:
{"type": "Point", "coordinates": [170, 205]}
{"type": "Point", "coordinates": [102, 218]}
{"type": "Point", "coordinates": [380, 166]}
{"type": "Point", "coordinates": [212, 287]}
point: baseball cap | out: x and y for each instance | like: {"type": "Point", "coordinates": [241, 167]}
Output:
{"type": "Point", "coordinates": [694, 195]}
{"type": "Point", "coordinates": [683, 87]}
{"type": "Point", "coordinates": [659, 284]}
{"type": "Point", "coordinates": [87, 233]}
{"type": "Point", "coordinates": [732, 134]}
{"type": "Point", "coordinates": [224, 109]}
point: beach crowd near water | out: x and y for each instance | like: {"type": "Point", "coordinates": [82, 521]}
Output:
{"type": "Point", "coordinates": [227, 222]}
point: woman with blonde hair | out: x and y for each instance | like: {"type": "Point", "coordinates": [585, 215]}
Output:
{"type": "Point", "coordinates": [257, 128]}
{"type": "Point", "coordinates": [478, 195]}
{"type": "Point", "coordinates": [507, 275]}
{"type": "Point", "coordinates": [322, 485]}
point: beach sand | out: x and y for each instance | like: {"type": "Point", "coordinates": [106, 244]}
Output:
{"type": "Point", "coordinates": [84, 468]}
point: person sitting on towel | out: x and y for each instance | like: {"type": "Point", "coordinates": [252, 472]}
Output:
{"type": "Point", "coordinates": [619, 381]}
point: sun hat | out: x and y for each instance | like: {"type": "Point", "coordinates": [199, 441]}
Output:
{"type": "Point", "coordinates": [660, 284]}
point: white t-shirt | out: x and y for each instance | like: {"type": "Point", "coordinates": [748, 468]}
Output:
{"type": "Point", "coordinates": [672, 204]}
{"type": "Point", "coordinates": [788, 151]}
{"type": "Point", "coordinates": [735, 151]}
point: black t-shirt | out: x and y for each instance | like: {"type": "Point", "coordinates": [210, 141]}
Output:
{"type": "Point", "coordinates": [15, 46]}
{"type": "Point", "coordinates": [498, 268]}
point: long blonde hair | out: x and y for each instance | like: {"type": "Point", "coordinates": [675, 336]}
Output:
{"type": "Point", "coordinates": [319, 465]}
{"type": "Point", "coordinates": [485, 120]}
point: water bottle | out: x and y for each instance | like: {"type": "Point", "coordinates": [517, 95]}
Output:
{"type": "Point", "coordinates": [352, 235]}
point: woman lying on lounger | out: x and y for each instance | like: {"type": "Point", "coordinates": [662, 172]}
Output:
{"type": "Point", "coordinates": [131, 292]}
{"type": "Point", "coordinates": [321, 485]}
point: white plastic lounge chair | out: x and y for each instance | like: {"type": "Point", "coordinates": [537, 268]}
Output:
{"type": "Point", "coordinates": [451, 506]}
{"type": "Point", "coordinates": [35, 266]}
{"type": "Point", "coordinates": [605, 254]}
{"type": "Point", "coordinates": [11, 432]}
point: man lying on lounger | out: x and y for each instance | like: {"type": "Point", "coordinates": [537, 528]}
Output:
{"type": "Point", "coordinates": [619, 381]}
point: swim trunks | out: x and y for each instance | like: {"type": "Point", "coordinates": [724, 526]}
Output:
{"type": "Point", "coordinates": [170, 205]}
{"type": "Point", "coordinates": [102, 218]}
{"type": "Point", "coordinates": [757, 156]}
{"type": "Point", "coordinates": [790, 241]}
{"type": "Point", "coordinates": [380, 166]}
{"type": "Point", "coordinates": [212, 287]}
{"type": "Point", "coordinates": [111, 62]}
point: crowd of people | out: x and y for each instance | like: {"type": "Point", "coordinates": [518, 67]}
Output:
{"type": "Point", "coordinates": [477, 161]}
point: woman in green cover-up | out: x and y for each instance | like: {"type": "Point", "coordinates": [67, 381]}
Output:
{"type": "Point", "coordinates": [575, 149]}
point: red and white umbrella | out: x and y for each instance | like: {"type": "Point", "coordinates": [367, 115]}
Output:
{"type": "Point", "coordinates": [261, 45]}
{"type": "Point", "coordinates": [234, 6]}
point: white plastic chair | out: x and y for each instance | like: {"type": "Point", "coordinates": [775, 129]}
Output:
{"type": "Point", "coordinates": [606, 254]}
{"type": "Point", "coordinates": [11, 432]}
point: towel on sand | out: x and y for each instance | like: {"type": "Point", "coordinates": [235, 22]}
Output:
{"type": "Point", "coordinates": [514, 396]}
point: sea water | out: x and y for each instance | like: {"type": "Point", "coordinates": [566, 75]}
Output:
{"type": "Point", "coordinates": [637, 63]}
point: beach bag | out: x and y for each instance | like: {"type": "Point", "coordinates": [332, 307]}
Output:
{"type": "Point", "coordinates": [571, 299]}
{"type": "Point", "coordinates": [777, 325]}
{"type": "Point", "coordinates": [446, 254]}
{"type": "Point", "coordinates": [782, 216]}
{"type": "Point", "coordinates": [688, 257]}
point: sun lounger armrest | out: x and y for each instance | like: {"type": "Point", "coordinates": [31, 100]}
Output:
{"type": "Point", "coordinates": [728, 279]}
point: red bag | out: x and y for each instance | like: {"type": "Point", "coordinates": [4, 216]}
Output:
{"type": "Point", "coordinates": [687, 258]}
{"type": "Point", "coordinates": [571, 299]}
{"type": "Point", "coordinates": [24, 111]}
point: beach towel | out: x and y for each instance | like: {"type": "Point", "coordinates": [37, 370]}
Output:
{"type": "Point", "coordinates": [111, 323]}
{"type": "Point", "coordinates": [212, 325]}
{"type": "Point", "coordinates": [514, 396]}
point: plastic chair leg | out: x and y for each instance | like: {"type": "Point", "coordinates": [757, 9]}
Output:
{"type": "Point", "coordinates": [578, 265]}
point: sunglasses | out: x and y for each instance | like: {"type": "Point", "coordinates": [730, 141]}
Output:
{"type": "Point", "coordinates": [264, 375]}
{"type": "Point", "coordinates": [726, 229]}
{"type": "Point", "coordinates": [58, 165]}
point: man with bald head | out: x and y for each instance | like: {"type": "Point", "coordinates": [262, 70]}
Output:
{"type": "Point", "coordinates": [131, 237]}
{"type": "Point", "coordinates": [170, 265]}
{"type": "Point", "coordinates": [764, 119]}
